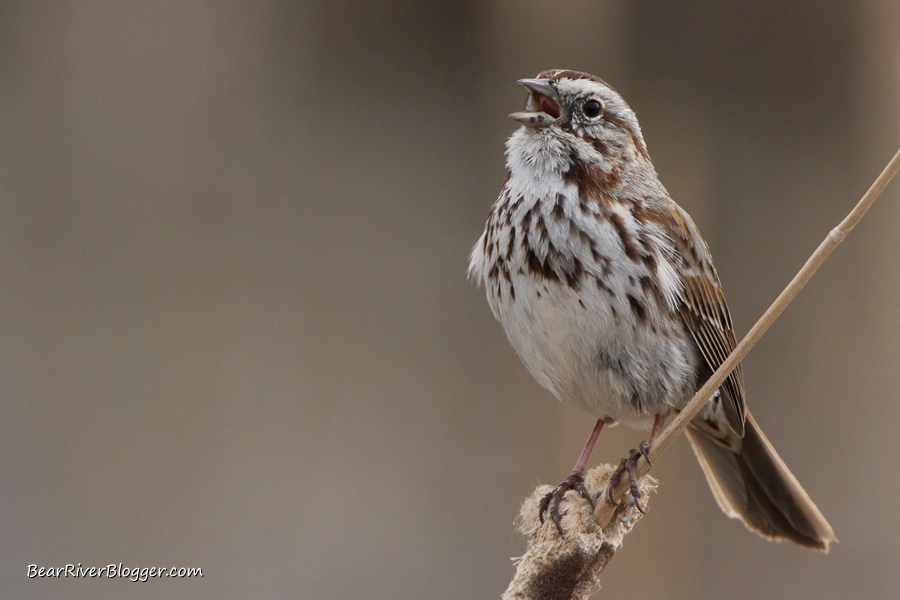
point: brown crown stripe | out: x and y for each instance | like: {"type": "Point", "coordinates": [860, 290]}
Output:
{"type": "Point", "coordinates": [557, 74]}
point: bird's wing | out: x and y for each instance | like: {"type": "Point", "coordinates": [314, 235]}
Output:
{"type": "Point", "coordinates": [701, 304]}
{"type": "Point", "coordinates": [706, 316]}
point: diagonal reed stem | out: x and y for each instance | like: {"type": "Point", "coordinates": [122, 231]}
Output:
{"type": "Point", "coordinates": [604, 511]}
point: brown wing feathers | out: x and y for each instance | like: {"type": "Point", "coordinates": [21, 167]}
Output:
{"type": "Point", "coordinates": [706, 315]}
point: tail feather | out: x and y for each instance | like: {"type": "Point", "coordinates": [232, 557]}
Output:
{"type": "Point", "coordinates": [752, 483]}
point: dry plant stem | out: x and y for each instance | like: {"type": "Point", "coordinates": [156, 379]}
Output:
{"type": "Point", "coordinates": [604, 510]}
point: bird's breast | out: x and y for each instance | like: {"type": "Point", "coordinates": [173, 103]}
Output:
{"type": "Point", "coordinates": [578, 295]}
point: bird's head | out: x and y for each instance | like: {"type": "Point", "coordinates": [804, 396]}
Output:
{"type": "Point", "coordinates": [573, 106]}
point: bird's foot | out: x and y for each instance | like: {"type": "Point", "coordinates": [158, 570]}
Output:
{"type": "Point", "coordinates": [552, 500]}
{"type": "Point", "coordinates": [627, 465]}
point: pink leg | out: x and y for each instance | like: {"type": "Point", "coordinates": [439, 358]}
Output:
{"type": "Point", "coordinates": [657, 427]}
{"type": "Point", "coordinates": [575, 482]}
{"type": "Point", "coordinates": [581, 465]}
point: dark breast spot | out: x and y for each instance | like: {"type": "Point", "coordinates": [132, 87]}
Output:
{"type": "Point", "coordinates": [558, 213]}
{"type": "Point", "coordinates": [638, 309]}
{"type": "Point", "coordinates": [601, 286]}
{"type": "Point", "coordinates": [537, 267]}
{"type": "Point", "coordinates": [628, 240]}
{"type": "Point", "coordinates": [651, 290]}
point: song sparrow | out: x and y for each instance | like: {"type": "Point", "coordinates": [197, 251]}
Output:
{"type": "Point", "coordinates": [608, 294]}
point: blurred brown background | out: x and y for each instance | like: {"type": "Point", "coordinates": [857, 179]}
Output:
{"type": "Point", "coordinates": [236, 330]}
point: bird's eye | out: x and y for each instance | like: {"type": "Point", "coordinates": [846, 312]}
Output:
{"type": "Point", "coordinates": [592, 108]}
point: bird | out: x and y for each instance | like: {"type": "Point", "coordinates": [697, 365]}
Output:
{"type": "Point", "coordinates": [609, 295]}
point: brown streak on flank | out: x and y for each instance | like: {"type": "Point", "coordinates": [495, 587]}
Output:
{"type": "Point", "coordinates": [649, 261]}
{"type": "Point", "coordinates": [595, 254]}
{"type": "Point", "coordinates": [540, 229]}
{"type": "Point", "coordinates": [644, 241]}
{"type": "Point", "coordinates": [504, 270]}
{"type": "Point", "coordinates": [601, 285]}
{"type": "Point", "coordinates": [603, 261]}
{"type": "Point", "coordinates": [638, 308]}
{"type": "Point", "coordinates": [618, 223]}
{"type": "Point", "coordinates": [538, 268]}
{"type": "Point", "coordinates": [649, 287]}
{"type": "Point", "coordinates": [573, 278]}
{"type": "Point", "coordinates": [648, 256]}
{"type": "Point", "coordinates": [558, 213]}
{"type": "Point", "coordinates": [511, 244]}
{"type": "Point", "coordinates": [526, 218]}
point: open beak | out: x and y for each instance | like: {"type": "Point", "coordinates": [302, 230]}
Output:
{"type": "Point", "coordinates": [543, 108]}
